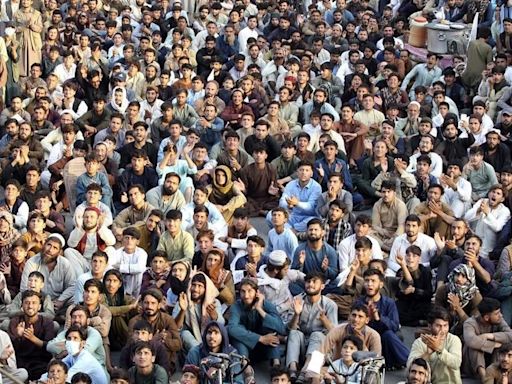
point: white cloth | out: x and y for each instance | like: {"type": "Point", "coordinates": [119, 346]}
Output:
{"type": "Point", "coordinates": [426, 243]}
{"type": "Point", "coordinates": [132, 266]}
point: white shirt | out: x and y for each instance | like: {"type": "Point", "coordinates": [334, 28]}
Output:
{"type": "Point", "coordinates": [244, 35]}
{"type": "Point", "coordinates": [132, 266]}
{"type": "Point", "coordinates": [462, 194]}
{"type": "Point", "coordinates": [426, 243]}
{"type": "Point", "coordinates": [487, 226]}
{"type": "Point", "coordinates": [347, 254]}
{"type": "Point", "coordinates": [436, 168]}
{"type": "Point", "coordinates": [63, 73]}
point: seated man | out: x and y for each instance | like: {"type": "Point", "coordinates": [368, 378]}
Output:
{"type": "Point", "coordinates": [480, 174]}
{"type": "Point", "coordinates": [286, 164]}
{"type": "Point", "coordinates": [415, 287]}
{"type": "Point", "coordinates": [176, 243]}
{"type": "Point", "coordinates": [29, 333]}
{"type": "Point", "coordinates": [165, 329]}
{"type": "Point", "coordinates": [7, 351]}
{"type": "Point", "coordinates": [484, 334]}
{"type": "Point", "coordinates": [198, 309]}
{"type": "Point", "coordinates": [259, 183]}
{"type": "Point", "coordinates": [249, 264]}
{"type": "Point", "coordinates": [488, 217]}
{"type": "Point", "coordinates": [92, 175]}
{"type": "Point", "coordinates": [99, 265]}
{"type": "Point", "coordinates": [215, 219]}
{"type": "Point", "coordinates": [168, 195]}
{"type": "Point", "coordinates": [255, 325]}
{"type": "Point", "coordinates": [57, 272]}
{"type": "Point", "coordinates": [457, 190]}
{"type": "Point", "coordinates": [80, 316]}
{"type": "Point", "coordinates": [435, 215]}
{"type": "Point", "coordinates": [143, 331]}
{"type": "Point", "coordinates": [314, 316]}
{"type": "Point", "coordinates": [84, 241]}
{"type": "Point", "coordinates": [384, 318]}
{"type": "Point", "coordinates": [426, 148]}
{"type": "Point", "coordinates": [335, 191]}
{"type": "Point", "coordinates": [388, 216]}
{"type": "Point", "coordinates": [135, 214]}
{"type": "Point", "coordinates": [131, 261]}
{"type": "Point", "coordinates": [357, 325]}
{"type": "Point", "coordinates": [412, 236]}
{"type": "Point", "coordinates": [79, 359]}
{"type": "Point", "coordinates": [315, 255]}
{"type": "Point", "coordinates": [300, 197]}
{"type": "Point", "coordinates": [500, 370]}
{"type": "Point", "coordinates": [145, 368]}
{"type": "Point", "coordinates": [337, 224]}
{"type": "Point", "coordinates": [440, 348]}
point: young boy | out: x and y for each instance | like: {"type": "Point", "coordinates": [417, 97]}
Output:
{"type": "Point", "coordinates": [143, 331]}
{"type": "Point", "coordinates": [36, 234]}
{"type": "Point", "coordinates": [130, 259]}
{"type": "Point", "coordinates": [281, 237]}
{"type": "Point", "coordinates": [349, 345]}
{"type": "Point", "coordinates": [158, 275]}
{"type": "Point", "coordinates": [415, 288]}
{"type": "Point", "coordinates": [14, 270]}
{"type": "Point", "coordinates": [145, 369]}
{"type": "Point", "coordinates": [92, 175]}
{"type": "Point", "coordinates": [36, 284]}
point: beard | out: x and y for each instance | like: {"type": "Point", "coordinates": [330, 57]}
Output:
{"type": "Point", "coordinates": [167, 191]}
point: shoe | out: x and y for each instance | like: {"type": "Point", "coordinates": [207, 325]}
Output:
{"type": "Point", "coordinates": [293, 376]}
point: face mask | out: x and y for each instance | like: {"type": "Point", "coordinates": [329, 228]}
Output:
{"type": "Point", "coordinates": [73, 347]}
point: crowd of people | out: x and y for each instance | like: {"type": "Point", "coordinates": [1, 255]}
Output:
{"type": "Point", "coordinates": [140, 141]}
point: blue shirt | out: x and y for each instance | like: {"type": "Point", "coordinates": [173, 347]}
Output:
{"type": "Point", "coordinates": [307, 195]}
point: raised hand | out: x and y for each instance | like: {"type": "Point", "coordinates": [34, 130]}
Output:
{"type": "Point", "coordinates": [183, 301]}
{"type": "Point", "coordinates": [298, 305]}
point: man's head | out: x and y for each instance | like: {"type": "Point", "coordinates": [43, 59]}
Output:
{"type": "Point", "coordinates": [93, 289]}
{"type": "Point", "coordinates": [419, 372]}
{"type": "Point", "coordinates": [490, 311]}
{"type": "Point", "coordinates": [143, 355]}
{"type": "Point", "coordinates": [373, 282]}
{"type": "Point", "coordinates": [76, 337]}
{"type": "Point", "coordinates": [151, 300]}
{"type": "Point", "coordinates": [31, 302]}
{"type": "Point", "coordinates": [279, 376]}
{"type": "Point", "coordinates": [439, 321]}
{"type": "Point", "coordinates": [249, 292]}
{"type": "Point", "coordinates": [314, 283]}
{"type": "Point", "coordinates": [359, 316]}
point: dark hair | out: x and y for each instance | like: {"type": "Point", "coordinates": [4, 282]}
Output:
{"type": "Point", "coordinates": [413, 217]}
{"type": "Point", "coordinates": [364, 243]}
{"type": "Point", "coordinates": [438, 312]}
{"type": "Point", "coordinates": [374, 272]}
{"type": "Point", "coordinates": [76, 328]}
{"type": "Point", "coordinates": [30, 293]}
{"type": "Point", "coordinates": [279, 371]}
{"type": "Point", "coordinates": [140, 345]}
{"type": "Point", "coordinates": [93, 283]}
{"type": "Point", "coordinates": [58, 362]}
{"type": "Point", "coordinates": [388, 184]}
{"type": "Point", "coordinates": [174, 214]}
{"type": "Point", "coordinates": [488, 305]}
{"type": "Point", "coordinates": [414, 249]}
{"type": "Point", "coordinates": [82, 308]}
{"type": "Point", "coordinates": [355, 340]}
{"type": "Point", "coordinates": [315, 221]}
{"type": "Point", "coordinates": [360, 307]}
{"type": "Point", "coordinates": [81, 377]}
{"type": "Point", "coordinates": [315, 275]}
{"type": "Point", "coordinates": [364, 219]}
{"type": "Point", "coordinates": [420, 362]}
{"type": "Point", "coordinates": [131, 231]}
{"type": "Point", "coordinates": [99, 253]}
{"type": "Point", "coordinates": [143, 325]}
{"type": "Point", "coordinates": [438, 186]}
{"type": "Point", "coordinates": [37, 274]}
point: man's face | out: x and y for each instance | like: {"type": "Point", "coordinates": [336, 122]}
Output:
{"type": "Point", "coordinates": [247, 295]}
{"type": "Point", "coordinates": [496, 197]}
{"type": "Point", "coordinates": [314, 286]}
{"type": "Point", "coordinates": [91, 296]}
{"type": "Point", "coordinates": [358, 319]}
{"type": "Point", "coordinates": [387, 195]}
{"type": "Point", "coordinates": [506, 179]}
{"type": "Point", "coordinates": [213, 338]}
{"type": "Point", "coordinates": [440, 328]}
{"type": "Point", "coordinates": [304, 174]}
{"type": "Point", "coordinates": [136, 197]}
{"type": "Point", "coordinates": [434, 194]}
{"type": "Point", "coordinates": [31, 306]}
{"type": "Point", "coordinates": [472, 244]}
{"type": "Point", "coordinates": [150, 305]}
{"type": "Point", "coordinates": [171, 185]}
{"type": "Point", "coordinates": [57, 374]}
{"type": "Point", "coordinates": [476, 159]}
{"type": "Point", "coordinates": [261, 132]}
{"type": "Point", "coordinates": [505, 361]}
{"type": "Point", "coordinates": [478, 110]}
{"type": "Point", "coordinates": [372, 285]}
{"type": "Point", "coordinates": [200, 219]}
{"type": "Point", "coordinates": [197, 290]}
{"type": "Point", "coordinates": [493, 139]}
{"type": "Point", "coordinates": [90, 219]}
{"type": "Point", "coordinates": [425, 145]}
{"type": "Point", "coordinates": [417, 375]}
{"type": "Point", "coordinates": [143, 358]}
{"type": "Point", "coordinates": [138, 164]}
{"type": "Point", "coordinates": [411, 228]}
{"type": "Point", "coordinates": [79, 318]}
{"type": "Point", "coordinates": [51, 250]}
{"type": "Point", "coordinates": [495, 317]}
{"type": "Point", "coordinates": [189, 378]}
{"type": "Point", "coordinates": [281, 379]}
{"type": "Point", "coordinates": [315, 232]}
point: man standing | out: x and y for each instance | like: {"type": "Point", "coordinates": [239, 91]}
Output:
{"type": "Point", "coordinates": [441, 349]}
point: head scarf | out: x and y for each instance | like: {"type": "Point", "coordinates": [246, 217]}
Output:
{"type": "Point", "coordinates": [217, 274]}
{"type": "Point", "coordinates": [178, 286]}
{"type": "Point", "coordinates": [221, 193]}
{"type": "Point", "coordinates": [210, 296]}
{"type": "Point", "coordinates": [467, 291]}
{"type": "Point", "coordinates": [226, 347]}
{"type": "Point", "coordinates": [124, 103]}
